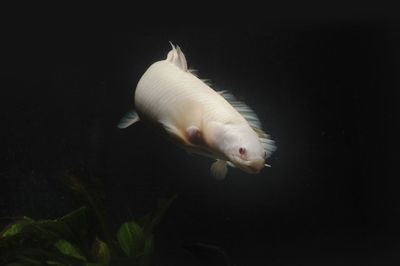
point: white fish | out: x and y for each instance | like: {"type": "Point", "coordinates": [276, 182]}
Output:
{"type": "Point", "coordinates": [198, 118]}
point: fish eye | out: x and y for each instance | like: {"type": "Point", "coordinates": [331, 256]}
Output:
{"type": "Point", "coordinates": [242, 150]}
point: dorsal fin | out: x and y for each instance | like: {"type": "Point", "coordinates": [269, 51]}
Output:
{"type": "Point", "coordinates": [194, 72]}
{"type": "Point", "coordinates": [253, 120]}
{"type": "Point", "coordinates": [177, 57]}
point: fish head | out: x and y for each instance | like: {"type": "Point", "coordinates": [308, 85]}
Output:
{"type": "Point", "coordinates": [241, 145]}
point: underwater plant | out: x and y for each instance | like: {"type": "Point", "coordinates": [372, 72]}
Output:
{"type": "Point", "coordinates": [71, 240]}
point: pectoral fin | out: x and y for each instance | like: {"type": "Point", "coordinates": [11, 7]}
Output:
{"type": "Point", "coordinates": [172, 130]}
{"type": "Point", "coordinates": [219, 169]}
{"type": "Point", "coordinates": [129, 118]}
{"type": "Point", "coordinates": [231, 164]}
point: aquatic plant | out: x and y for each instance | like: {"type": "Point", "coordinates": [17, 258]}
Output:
{"type": "Point", "coordinates": [71, 240]}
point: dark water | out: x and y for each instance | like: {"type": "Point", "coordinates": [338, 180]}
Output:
{"type": "Point", "coordinates": [325, 89]}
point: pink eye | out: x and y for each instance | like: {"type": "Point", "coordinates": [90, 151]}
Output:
{"type": "Point", "coordinates": [242, 150]}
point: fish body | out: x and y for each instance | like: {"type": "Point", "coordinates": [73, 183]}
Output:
{"type": "Point", "coordinates": [198, 118]}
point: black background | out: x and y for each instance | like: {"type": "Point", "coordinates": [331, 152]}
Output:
{"type": "Point", "coordinates": [324, 86]}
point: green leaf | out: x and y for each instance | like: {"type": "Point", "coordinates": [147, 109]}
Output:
{"type": "Point", "coordinates": [77, 222]}
{"type": "Point", "coordinates": [69, 249]}
{"type": "Point", "coordinates": [162, 207]}
{"type": "Point", "coordinates": [13, 229]}
{"type": "Point", "coordinates": [144, 256]}
{"type": "Point", "coordinates": [101, 252]}
{"type": "Point", "coordinates": [54, 228]}
{"type": "Point", "coordinates": [30, 261]}
{"type": "Point", "coordinates": [75, 218]}
{"type": "Point", "coordinates": [81, 181]}
{"type": "Point", "coordinates": [16, 227]}
{"type": "Point", "coordinates": [52, 262]}
{"type": "Point", "coordinates": [28, 219]}
{"type": "Point", "coordinates": [131, 238]}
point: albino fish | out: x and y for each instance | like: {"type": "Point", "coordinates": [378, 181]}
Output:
{"type": "Point", "coordinates": [199, 119]}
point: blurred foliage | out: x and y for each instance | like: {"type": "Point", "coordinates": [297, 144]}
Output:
{"type": "Point", "coordinates": [81, 237]}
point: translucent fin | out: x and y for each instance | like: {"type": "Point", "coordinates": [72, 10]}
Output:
{"type": "Point", "coordinates": [194, 72]}
{"type": "Point", "coordinates": [267, 143]}
{"type": "Point", "coordinates": [173, 130]}
{"type": "Point", "coordinates": [231, 164]}
{"type": "Point", "coordinates": [219, 169]}
{"type": "Point", "coordinates": [252, 119]}
{"type": "Point", "coordinates": [177, 57]}
{"type": "Point", "coordinates": [129, 118]}
{"type": "Point", "coordinates": [172, 54]}
{"type": "Point", "coordinates": [182, 59]}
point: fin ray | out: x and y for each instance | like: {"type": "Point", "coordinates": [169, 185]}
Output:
{"type": "Point", "coordinates": [177, 57]}
{"type": "Point", "coordinates": [219, 169]}
{"type": "Point", "coordinates": [194, 72]}
{"type": "Point", "coordinates": [231, 164]}
{"type": "Point", "coordinates": [253, 120]}
{"type": "Point", "coordinates": [128, 119]}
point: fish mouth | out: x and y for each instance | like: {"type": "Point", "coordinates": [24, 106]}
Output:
{"type": "Point", "coordinates": [251, 167]}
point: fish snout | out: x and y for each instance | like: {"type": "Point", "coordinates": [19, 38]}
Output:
{"type": "Point", "coordinates": [255, 166]}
